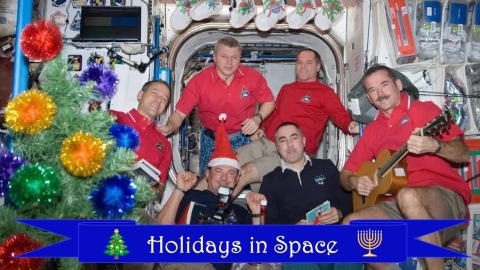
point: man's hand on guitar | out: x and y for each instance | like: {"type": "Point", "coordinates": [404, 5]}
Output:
{"type": "Point", "coordinates": [421, 145]}
{"type": "Point", "coordinates": [363, 185]}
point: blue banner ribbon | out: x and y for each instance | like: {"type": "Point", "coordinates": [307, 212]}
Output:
{"type": "Point", "coordinates": [122, 241]}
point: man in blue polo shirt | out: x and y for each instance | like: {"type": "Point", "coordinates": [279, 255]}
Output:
{"type": "Point", "coordinates": [302, 183]}
{"type": "Point", "coordinates": [299, 185]}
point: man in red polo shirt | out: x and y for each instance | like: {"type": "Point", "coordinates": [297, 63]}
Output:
{"type": "Point", "coordinates": [154, 147]}
{"type": "Point", "coordinates": [306, 102]}
{"type": "Point", "coordinates": [435, 190]}
{"type": "Point", "coordinates": [225, 87]}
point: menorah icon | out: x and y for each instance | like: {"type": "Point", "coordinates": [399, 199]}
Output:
{"type": "Point", "coordinates": [369, 240]}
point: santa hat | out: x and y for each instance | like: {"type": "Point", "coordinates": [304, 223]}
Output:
{"type": "Point", "coordinates": [223, 153]}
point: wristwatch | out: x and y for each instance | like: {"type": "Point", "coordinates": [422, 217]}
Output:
{"type": "Point", "coordinates": [259, 117]}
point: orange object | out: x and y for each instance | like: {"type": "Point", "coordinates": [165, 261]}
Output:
{"type": "Point", "coordinates": [401, 32]}
{"type": "Point", "coordinates": [469, 170]}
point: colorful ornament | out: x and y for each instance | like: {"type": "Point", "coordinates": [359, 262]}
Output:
{"type": "Point", "coordinates": [114, 196]}
{"type": "Point", "coordinates": [41, 40]}
{"type": "Point", "coordinates": [16, 245]}
{"type": "Point", "coordinates": [31, 112]}
{"type": "Point", "coordinates": [125, 136]}
{"type": "Point", "coordinates": [104, 78]}
{"type": "Point", "coordinates": [34, 184]}
{"type": "Point", "coordinates": [9, 164]}
{"type": "Point", "coordinates": [82, 154]}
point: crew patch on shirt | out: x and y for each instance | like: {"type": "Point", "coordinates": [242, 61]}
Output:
{"type": "Point", "coordinates": [319, 179]}
{"type": "Point", "coordinates": [231, 218]}
{"type": "Point", "coordinates": [306, 98]}
{"type": "Point", "coordinates": [404, 120]}
{"type": "Point", "coordinates": [160, 146]}
{"type": "Point", "coordinates": [244, 93]}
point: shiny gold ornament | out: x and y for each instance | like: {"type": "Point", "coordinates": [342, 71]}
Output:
{"type": "Point", "coordinates": [31, 112]}
{"type": "Point", "coordinates": [82, 154]}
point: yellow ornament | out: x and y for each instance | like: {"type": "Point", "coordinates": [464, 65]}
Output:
{"type": "Point", "coordinates": [31, 112]}
{"type": "Point", "coordinates": [82, 154]}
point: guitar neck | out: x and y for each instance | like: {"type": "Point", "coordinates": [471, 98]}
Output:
{"type": "Point", "coordinates": [440, 122]}
{"type": "Point", "coordinates": [398, 156]}
{"type": "Point", "coordinates": [393, 160]}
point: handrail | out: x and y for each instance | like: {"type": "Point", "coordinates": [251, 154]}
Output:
{"type": "Point", "coordinates": [20, 63]}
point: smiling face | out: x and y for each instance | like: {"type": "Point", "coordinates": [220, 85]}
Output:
{"type": "Point", "coordinates": [382, 91]}
{"type": "Point", "coordinates": [153, 100]}
{"type": "Point", "coordinates": [290, 144]}
{"type": "Point", "coordinates": [306, 67]}
{"type": "Point", "coordinates": [222, 175]}
{"type": "Point", "coordinates": [227, 60]}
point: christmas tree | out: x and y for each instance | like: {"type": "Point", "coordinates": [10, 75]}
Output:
{"type": "Point", "coordinates": [65, 163]}
{"type": "Point", "coordinates": [116, 246]}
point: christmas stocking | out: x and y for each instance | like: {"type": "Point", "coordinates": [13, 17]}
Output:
{"type": "Point", "coordinates": [242, 12]}
{"type": "Point", "coordinates": [329, 12]}
{"type": "Point", "coordinates": [273, 11]}
{"type": "Point", "coordinates": [205, 8]}
{"type": "Point", "coordinates": [181, 15]}
{"type": "Point", "coordinates": [304, 12]}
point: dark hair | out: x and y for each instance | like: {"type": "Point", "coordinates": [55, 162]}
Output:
{"type": "Point", "coordinates": [149, 83]}
{"type": "Point", "coordinates": [318, 58]}
{"type": "Point", "coordinates": [285, 124]}
{"type": "Point", "coordinates": [376, 68]}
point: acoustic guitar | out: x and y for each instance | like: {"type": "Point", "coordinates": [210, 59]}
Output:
{"type": "Point", "coordinates": [389, 170]}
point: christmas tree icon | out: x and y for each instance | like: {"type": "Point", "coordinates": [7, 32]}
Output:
{"type": "Point", "coordinates": [116, 246]}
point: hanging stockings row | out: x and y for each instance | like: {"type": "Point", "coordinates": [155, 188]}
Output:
{"type": "Point", "coordinates": [243, 11]}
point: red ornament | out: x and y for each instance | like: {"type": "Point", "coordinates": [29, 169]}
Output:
{"type": "Point", "coordinates": [16, 245]}
{"type": "Point", "coordinates": [41, 40]}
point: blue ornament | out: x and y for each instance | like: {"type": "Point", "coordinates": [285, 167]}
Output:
{"type": "Point", "coordinates": [9, 164]}
{"type": "Point", "coordinates": [125, 136]}
{"type": "Point", "coordinates": [114, 197]}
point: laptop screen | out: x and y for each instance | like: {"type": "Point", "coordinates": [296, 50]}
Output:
{"type": "Point", "coordinates": [111, 24]}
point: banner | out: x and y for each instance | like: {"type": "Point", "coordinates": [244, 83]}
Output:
{"type": "Point", "coordinates": [122, 241]}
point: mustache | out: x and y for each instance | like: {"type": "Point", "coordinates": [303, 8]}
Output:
{"type": "Point", "coordinates": [382, 98]}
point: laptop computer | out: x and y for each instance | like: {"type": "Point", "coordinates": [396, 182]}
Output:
{"type": "Point", "coordinates": [110, 24]}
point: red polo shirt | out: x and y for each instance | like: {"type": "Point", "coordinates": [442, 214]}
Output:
{"type": "Point", "coordinates": [309, 105]}
{"type": "Point", "coordinates": [392, 133]}
{"type": "Point", "coordinates": [154, 146]}
{"type": "Point", "coordinates": [213, 97]}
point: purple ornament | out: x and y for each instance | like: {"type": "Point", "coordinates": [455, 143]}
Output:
{"type": "Point", "coordinates": [9, 164]}
{"type": "Point", "coordinates": [105, 78]}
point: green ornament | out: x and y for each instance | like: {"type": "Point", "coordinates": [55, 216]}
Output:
{"type": "Point", "coordinates": [34, 185]}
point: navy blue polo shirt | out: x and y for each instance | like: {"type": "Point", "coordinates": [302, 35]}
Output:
{"type": "Point", "coordinates": [291, 194]}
